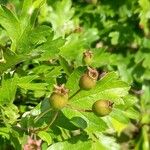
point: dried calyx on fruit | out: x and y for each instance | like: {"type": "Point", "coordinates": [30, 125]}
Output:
{"type": "Point", "coordinates": [88, 80]}
{"type": "Point", "coordinates": [102, 107]}
{"type": "Point", "coordinates": [59, 97]}
{"type": "Point", "coordinates": [87, 57]}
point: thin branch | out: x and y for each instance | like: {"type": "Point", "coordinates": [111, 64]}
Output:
{"type": "Point", "coordinates": [74, 94]}
{"type": "Point", "coordinates": [41, 115]}
{"type": "Point", "coordinates": [79, 109]}
{"type": "Point", "coordinates": [50, 123]}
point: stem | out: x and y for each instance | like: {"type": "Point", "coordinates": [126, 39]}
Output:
{"type": "Point", "coordinates": [20, 128]}
{"type": "Point", "coordinates": [36, 119]}
{"type": "Point", "coordinates": [41, 115]}
{"type": "Point", "coordinates": [95, 136]}
{"type": "Point", "coordinates": [2, 60]}
{"type": "Point", "coordinates": [138, 92]}
{"type": "Point", "coordinates": [79, 109]}
{"type": "Point", "coordinates": [50, 123]}
{"type": "Point", "coordinates": [66, 134]}
{"type": "Point", "coordinates": [74, 94]}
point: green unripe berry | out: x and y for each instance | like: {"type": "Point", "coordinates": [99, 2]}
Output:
{"type": "Point", "coordinates": [59, 97]}
{"type": "Point", "coordinates": [87, 57]}
{"type": "Point", "coordinates": [102, 107]}
{"type": "Point", "coordinates": [88, 80]}
{"type": "Point", "coordinates": [58, 101]}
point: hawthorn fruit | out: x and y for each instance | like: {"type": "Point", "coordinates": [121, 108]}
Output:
{"type": "Point", "coordinates": [87, 57]}
{"type": "Point", "coordinates": [88, 80]}
{"type": "Point", "coordinates": [59, 97]}
{"type": "Point", "coordinates": [102, 107]}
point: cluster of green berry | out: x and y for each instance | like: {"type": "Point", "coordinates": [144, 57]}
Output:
{"type": "Point", "coordinates": [59, 98]}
